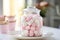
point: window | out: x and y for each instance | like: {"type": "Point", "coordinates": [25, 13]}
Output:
{"type": "Point", "coordinates": [12, 7]}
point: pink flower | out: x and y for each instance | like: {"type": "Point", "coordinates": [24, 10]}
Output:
{"type": "Point", "coordinates": [44, 3]}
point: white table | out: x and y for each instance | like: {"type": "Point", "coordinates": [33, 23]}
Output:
{"type": "Point", "coordinates": [56, 34]}
{"type": "Point", "coordinates": [55, 31]}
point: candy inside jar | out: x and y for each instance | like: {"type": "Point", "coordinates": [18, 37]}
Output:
{"type": "Point", "coordinates": [31, 22]}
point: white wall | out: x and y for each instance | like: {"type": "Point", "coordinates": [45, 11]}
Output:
{"type": "Point", "coordinates": [1, 7]}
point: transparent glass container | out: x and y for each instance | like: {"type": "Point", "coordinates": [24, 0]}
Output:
{"type": "Point", "coordinates": [31, 23]}
{"type": "Point", "coordinates": [3, 25]}
{"type": "Point", "coordinates": [11, 24]}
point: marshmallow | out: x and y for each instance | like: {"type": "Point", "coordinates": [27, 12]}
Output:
{"type": "Point", "coordinates": [37, 33]}
{"type": "Point", "coordinates": [31, 33]}
{"type": "Point", "coordinates": [28, 19]}
{"type": "Point", "coordinates": [33, 26]}
{"type": "Point", "coordinates": [24, 33]}
{"type": "Point", "coordinates": [27, 27]}
{"type": "Point", "coordinates": [37, 28]}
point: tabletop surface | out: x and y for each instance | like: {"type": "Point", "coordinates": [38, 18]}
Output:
{"type": "Point", "coordinates": [55, 36]}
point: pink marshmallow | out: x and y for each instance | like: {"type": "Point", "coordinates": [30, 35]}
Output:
{"type": "Point", "coordinates": [27, 27]}
{"type": "Point", "coordinates": [31, 33]}
{"type": "Point", "coordinates": [27, 32]}
{"type": "Point", "coordinates": [28, 19]}
{"type": "Point", "coordinates": [37, 28]}
{"type": "Point", "coordinates": [30, 25]}
{"type": "Point", "coordinates": [34, 24]}
{"type": "Point", "coordinates": [32, 28]}
{"type": "Point", "coordinates": [37, 33]}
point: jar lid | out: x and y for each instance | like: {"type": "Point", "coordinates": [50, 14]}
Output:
{"type": "Point", "coordinates": [30, 10]}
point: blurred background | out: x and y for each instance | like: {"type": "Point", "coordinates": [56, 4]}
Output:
{"type": "Point", "coordinates": [12, 7]}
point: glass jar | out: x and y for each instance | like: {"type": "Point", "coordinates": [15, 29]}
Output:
{"type": "Point", "coordinates": [31, 22]}
{"type": "Point", "coordinates": [3, 25]}
{"type": "Point", "coordinates": [11, 24]}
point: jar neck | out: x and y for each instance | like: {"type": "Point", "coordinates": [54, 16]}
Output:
{"type": "Point", "coordinates": [31, 2]}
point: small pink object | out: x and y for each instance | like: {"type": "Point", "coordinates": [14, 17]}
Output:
{"type": "Point", "coordinates": [34, 24]}
{"type": "Point", "coordinates": [37, 28]}
{"type": "Point", "coordinates": [31, 33]}
{"type": "Point", "coordinates": [33, 28]}
{"type": "Point", "coordinates": [37, 33]}
{"type": "Point", "coordinates": [44, 4]}
{"type": "Point", "coordinates": [27, 27]}
{"type": "Point", "coordinates": [28, 18]}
